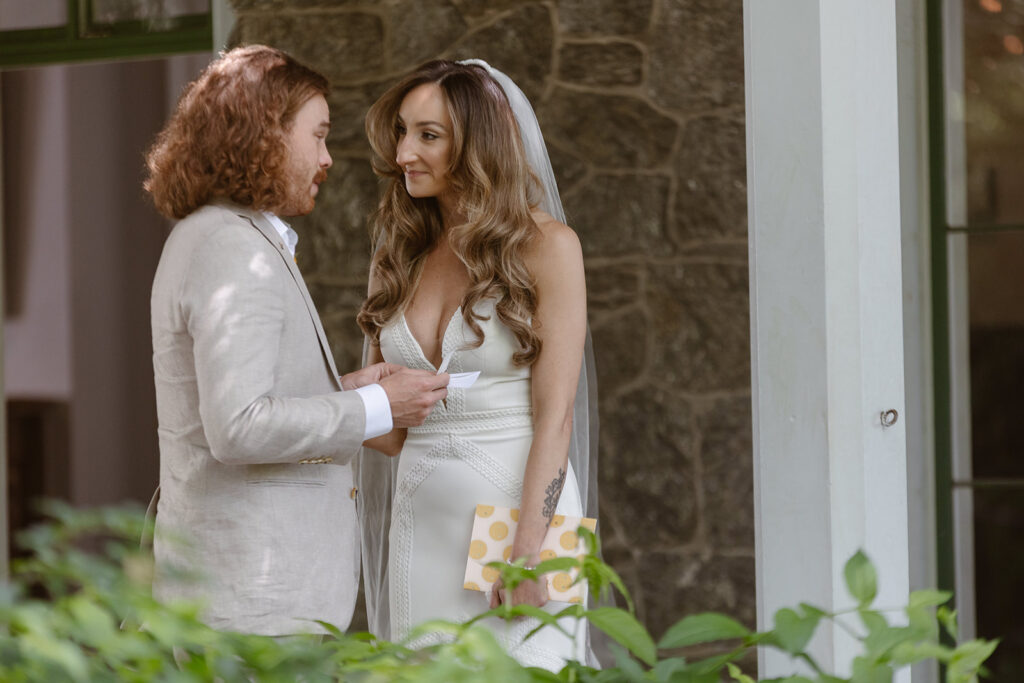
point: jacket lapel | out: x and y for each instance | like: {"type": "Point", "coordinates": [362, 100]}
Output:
{"type": "Point", "coordinates": [260, 222]}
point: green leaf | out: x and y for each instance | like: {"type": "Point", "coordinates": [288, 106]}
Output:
{"type": "Point", "coordinates": [879, 643]}
{"type": "Point", "coordinates": [702, 628]}
{"type": "Point", "coordinates": [922, 622]}
{"type": "Point", "coordinates": [61, 653]}
{"type": "Point", "coordinates": [968, 657]}
{"type": "Point", "coordinates": [861, 579]}
{"type": "Point", "coordinates": [738, 675]}
{"type": "Point", "coordinates": [792, 631]}
{"type": "Point", "coordinates": [557, 564]}
{"type": "Point", "coordinates": [667, 669]}
{"type": "Point", "coordinates": [623, 628]}
{"type": "Point", "coordinates": [911, 653]}
{"type": "Point", "coordinates": [97, 624]}
{"type": "Point", "coordinates": [600, 576]}
{"type": "Point", "coordinates": [873, 621]}
{"type": "Point", "coordinates": [627, 667]}
{"type": "Point", "coordinates": [866, 671]}
{"type": "Point", "coordinates": [929, 598]}
{"type": "Point", "coordinates": [947, 617]}
{"type": "Point", "coordinates": [717, 663]}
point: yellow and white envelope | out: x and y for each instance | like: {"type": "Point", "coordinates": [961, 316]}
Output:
{"type": "Point", "coordinates": [494, 527]}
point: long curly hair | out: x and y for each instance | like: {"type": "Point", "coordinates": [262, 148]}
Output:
{"type": "Point", "coordinates": [496, 189]}
{"type": "Point", "coordinates": [227, 137]}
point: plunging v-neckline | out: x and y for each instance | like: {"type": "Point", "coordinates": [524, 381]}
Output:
{"type": "Point", "coordinates": [444, 336]}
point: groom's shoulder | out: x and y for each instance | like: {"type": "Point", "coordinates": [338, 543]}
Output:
{"type": "Point", "coordinates": [216, 225]}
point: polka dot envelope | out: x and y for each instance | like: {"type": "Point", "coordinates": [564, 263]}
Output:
{"type": "Point", "coordinates": [494, 527]}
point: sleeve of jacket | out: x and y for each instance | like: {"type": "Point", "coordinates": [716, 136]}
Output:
{"type": "Point", "coordinates": [232, 299]}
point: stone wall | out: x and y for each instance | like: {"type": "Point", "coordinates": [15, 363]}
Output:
{"type": "Point", "coordinates": [641, 102]}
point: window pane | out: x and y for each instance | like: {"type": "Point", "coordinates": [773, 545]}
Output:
{"type": "Point", "coordinates": [993, 110]}
{"type": "Point", "coordinates": [999, 566]}
{"type": "Point", "coordinates": [996, 274]}
{"type": "Point", "coordinates": [19, 14]}
{"type": "Point", "coordinates": [158, 12]}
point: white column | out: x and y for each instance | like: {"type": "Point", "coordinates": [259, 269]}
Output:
{"type": "Point", "coordinates": [3, 394]}
{"type": "Point", "coordinates": [826, 310]}
{"type": "Point", "coordinates": [223, 21]}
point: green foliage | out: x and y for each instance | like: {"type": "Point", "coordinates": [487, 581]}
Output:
{"type": "Point", "coordinates": [79, 609]}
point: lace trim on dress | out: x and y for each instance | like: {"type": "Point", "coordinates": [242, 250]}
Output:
{"type": "Point", "coordinates": [476, 421]}
{"type": "Point", "coordinates": [403, 522]}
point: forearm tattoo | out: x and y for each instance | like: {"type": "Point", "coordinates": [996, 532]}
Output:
{"type": "Point", "coordinates": [553, 491]}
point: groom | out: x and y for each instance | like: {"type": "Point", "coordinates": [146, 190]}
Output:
{"type": "Point", "coordinates": [256, 429]}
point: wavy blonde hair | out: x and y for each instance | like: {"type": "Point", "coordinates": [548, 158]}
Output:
{"type": "Point", "coordinates": [227, 137]}
{"type": "Point", "coordinates": [496, 190]}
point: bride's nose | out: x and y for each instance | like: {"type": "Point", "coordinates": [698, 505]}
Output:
{"type": "Point", "coordinates": [404, 153]}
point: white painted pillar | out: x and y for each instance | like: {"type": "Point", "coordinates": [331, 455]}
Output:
{"type": "Point", "coordinates": [223, 22]}
{"type": "Point", "coordinates": [826, 311]}
{"type": "Point", "coordinates": [4, 541]}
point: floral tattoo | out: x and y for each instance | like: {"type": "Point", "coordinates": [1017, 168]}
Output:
{"type": "Point", "coordinates": [553, 491]}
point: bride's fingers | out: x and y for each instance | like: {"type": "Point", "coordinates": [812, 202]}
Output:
{"type": "Point", "coordinates": [494, 597]}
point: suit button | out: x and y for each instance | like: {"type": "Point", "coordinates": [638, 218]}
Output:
{"type": "Point", "coordinates": [353, 492]}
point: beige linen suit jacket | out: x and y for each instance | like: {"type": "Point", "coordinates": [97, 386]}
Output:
{"type": "Point", "coordinates": [250, 409]}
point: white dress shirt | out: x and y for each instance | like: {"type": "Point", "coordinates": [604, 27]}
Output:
{"type": "Point", "coordinates": [375, 399]}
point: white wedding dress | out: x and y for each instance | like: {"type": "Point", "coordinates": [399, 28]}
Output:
{"type": "Point", "coordinates": [472, 449]}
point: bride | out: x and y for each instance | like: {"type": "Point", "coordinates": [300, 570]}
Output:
{"type": "Point", "coordinates": [474, 269]}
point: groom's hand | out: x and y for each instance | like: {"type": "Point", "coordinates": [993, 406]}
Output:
{"type": "Point", "coordinates": [412, 394]}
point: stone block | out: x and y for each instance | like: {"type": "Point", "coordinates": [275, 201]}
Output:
{"type": "Point", "coordinates": [334, 240]}
{"type": "Point", "coordinates": [711, 193]}
{"type": "Point", "coordinates": [735, 251]}
{"type": "Point", "coordinates": [647, 469]}
{"type": "Point", "coordinates": [696, 53]}
{"type": "Point", "coordinates": [727, 459]}
{"type": "Point", "coordinates": [620, 214]}
{"type": "Point", "coordinates": [700, 316]}
{"type": "Point", "coordinates": [520, 43]}
{"type": "Point", "coordinates": [613, 286]}
{"type": "Point", "coordinates": [569, 169]}
{"type": "Point", "coordinates": [610, 63]}
{"type": "Point", "coordinates": [605, 17]}
{"type": "Point", "coordinates": [422, 34]}
{"type": "Point", "coordinates": [609, 131]}
{"type": "Point", "coordinates": [620, 349]}
{"type": "Point", "coordinates": [337, 306]}
{"type": "Point", "coordinates": [476, 10]}
{"type": "Point", "coordinates": [349, 105]}
{"type": "Point", "coordinates": [350, 45]}
{"type": "Point", "coordinates": [241, 6]}
{"type": "Point", "coordinates": [679, 583]}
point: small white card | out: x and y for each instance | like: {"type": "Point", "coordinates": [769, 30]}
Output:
{"type": "Point", "coordinates": [463, 380]}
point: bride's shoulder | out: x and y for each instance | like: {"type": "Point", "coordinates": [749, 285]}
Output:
{"type": "Point", "coordinates": [557, 245]}
{"type": "Point", "coordinates": [554, 232]}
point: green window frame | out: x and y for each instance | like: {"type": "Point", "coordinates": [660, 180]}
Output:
{"type": "Point", "coordinates": [82, 40]}
{"type": "Point", "coordinates": [943, 348]}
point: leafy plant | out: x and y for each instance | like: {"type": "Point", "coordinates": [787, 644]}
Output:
{"type": "Point", "coordinates": [79, 609]}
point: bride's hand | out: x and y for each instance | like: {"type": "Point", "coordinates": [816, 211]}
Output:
{"type": "Point", "coordinates": [526, 593]}
{"type": "Point", "coordinates": [371, 374]}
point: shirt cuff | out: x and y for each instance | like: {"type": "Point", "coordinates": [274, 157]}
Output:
{"type": "Point", "coordinates": [378, 410]}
